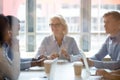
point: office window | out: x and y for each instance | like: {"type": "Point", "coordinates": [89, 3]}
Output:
{"type": "Point", "coordinates": [65, 6]}
{"type": "Point", "coordinates": [84, 19]}
{"type": "Point", "coordinates": [60, 7]}
{"type": "Point", "coordinates": [98, 8]}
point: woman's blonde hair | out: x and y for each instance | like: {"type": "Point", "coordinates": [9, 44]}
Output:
{"type": "Point", "coordinates": [62, 21]}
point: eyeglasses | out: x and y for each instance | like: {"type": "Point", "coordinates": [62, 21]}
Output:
{"type": "Point", "coordinates": [55, 25]}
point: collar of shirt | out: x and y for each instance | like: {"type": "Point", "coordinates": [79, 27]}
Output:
{"type": "Point", "coordinates": [8, 52]}
{"type": "Point", "coordinates": [116, 37]}
{"type": "Point", "coordinates": [53, 37]}
{"type": "Point", "coordinates": [113, 38]}
{"type": "Point", "coordinates": [5, 45]}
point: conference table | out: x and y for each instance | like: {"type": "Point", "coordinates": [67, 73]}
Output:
{"type": "Point", "coordinates": [63, 71]}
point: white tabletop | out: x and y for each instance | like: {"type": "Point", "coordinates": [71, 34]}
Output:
{"type": "Point", "coordinates": [63, 71]}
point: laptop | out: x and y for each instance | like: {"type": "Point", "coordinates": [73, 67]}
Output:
{"type": "Point", "coordinates": [52, 70]}
{"type": "Point", "coordinates": [90, 75]}
{"type": "Point", "coordinates": [85, 62]}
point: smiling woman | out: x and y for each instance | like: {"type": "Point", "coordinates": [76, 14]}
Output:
{"type": "Point", "coordinates": [59, 44]}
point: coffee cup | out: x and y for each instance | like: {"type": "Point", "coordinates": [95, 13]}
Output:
{"type": "Point", "coordinates": [78, 68]}
{"type": "Point", "coordinates": [47, 66]}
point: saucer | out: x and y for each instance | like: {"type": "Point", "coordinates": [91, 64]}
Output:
{"type": "Point", "coordinates": [37, 68]}
{"type": "Point", "coordinates": [62, 61]}
{"type": "Point", "coordinates": [95, 77]}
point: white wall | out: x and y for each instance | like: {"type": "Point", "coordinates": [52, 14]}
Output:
{"type": "Point", "coordinates": [1, 6]}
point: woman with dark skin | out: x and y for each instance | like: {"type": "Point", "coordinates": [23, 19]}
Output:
{"type": "Point", "coordinates": [24, 63]}
{"type": "Point", "coordinates": [6, 68]}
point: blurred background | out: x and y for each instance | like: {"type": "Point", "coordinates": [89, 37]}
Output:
{"type": "Point", "coordinates": [84, 19]}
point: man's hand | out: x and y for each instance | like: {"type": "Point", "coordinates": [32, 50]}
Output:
{"type": "Point", "coordinates": [103, 73]}
{"type": "Point", "coordinates": [90, 62]}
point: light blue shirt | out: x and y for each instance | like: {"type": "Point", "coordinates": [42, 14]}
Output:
{"type": "Point", "coordinates": [8, 52]}
{"type": "Point", "coordinates": [25, 63]}
{"type": "Point", "coordinates": [49, 46]}
{"type": "Point", "coordinates": [111, 47]}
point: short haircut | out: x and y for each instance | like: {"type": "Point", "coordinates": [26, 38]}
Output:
{"type": "Point", "coordinates": [114, 14]}
{"type": "Point", "coordinates": [13, 20]}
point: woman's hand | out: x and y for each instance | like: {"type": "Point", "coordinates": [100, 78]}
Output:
{"type": "Point", "coordinates": [54, 55]}
{"type": "Point", "coordinates": [1, 78]}
{"type": "Point", "coordinates": [65, 54]}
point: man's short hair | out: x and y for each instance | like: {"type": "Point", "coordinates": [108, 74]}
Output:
{"type": "Point", "coordinates": [114, 14]}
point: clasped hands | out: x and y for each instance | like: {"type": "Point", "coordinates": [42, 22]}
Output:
{"type": "Point", "coordinates": [63, 53]}
{"type": "Point", "coordinates": [39, 61]}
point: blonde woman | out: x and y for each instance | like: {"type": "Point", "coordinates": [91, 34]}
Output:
{"type": "Point", "coordinates": [58, 44]}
